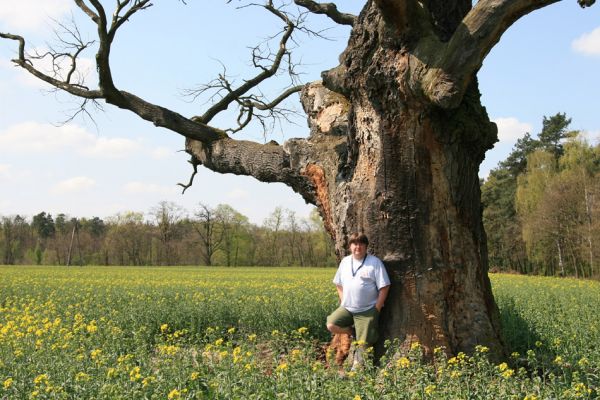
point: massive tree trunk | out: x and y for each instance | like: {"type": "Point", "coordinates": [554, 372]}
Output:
{"type": "Point", "coordinates": [411, 183]}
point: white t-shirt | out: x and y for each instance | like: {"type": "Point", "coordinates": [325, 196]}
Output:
{"type": "Point", "coordinates": [361, 283]}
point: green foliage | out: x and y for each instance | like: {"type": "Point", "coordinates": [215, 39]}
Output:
{"type": "Point", "coordinates": [167, 236]}
{"type": "Point", "coordinates": [540, 209]}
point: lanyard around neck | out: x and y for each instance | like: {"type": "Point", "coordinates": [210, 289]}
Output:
{"type": "Point", "coordinates": [359, 267]}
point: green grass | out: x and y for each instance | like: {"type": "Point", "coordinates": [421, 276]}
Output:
{"type": "Point", "coordinates": [135, 333]}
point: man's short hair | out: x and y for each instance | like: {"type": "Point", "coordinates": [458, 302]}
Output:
{"type": "Point", "coordinates": [358, 238]}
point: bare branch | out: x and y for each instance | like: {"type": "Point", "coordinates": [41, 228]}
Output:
{"type": "Point", "coordinates": [186, 186]}
{"type": "Point", "coordinates": [25, 63]}
{"type": "Point", "coordinates": [119, 20]}
{"type": "Point", "coordinates": [329, 9]}
{"type": "Point", "coordinates": [266, 73]}
{"type": "Point", "coordinates": [279, 99]}
{"type": "Point", "coordinates": [82, 110]}
{"type": "Point", "coordinates": [87, 10]}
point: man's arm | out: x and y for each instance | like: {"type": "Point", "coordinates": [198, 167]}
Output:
{"type": "Point", "coordinates": [340, 290]}
{"type": "Point", "coordinates": [383, 293]}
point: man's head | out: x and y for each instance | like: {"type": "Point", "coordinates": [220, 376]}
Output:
{"type": "Point", "coordinates": [358, 245]}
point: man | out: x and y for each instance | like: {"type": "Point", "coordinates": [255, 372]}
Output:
{"type": "Point", "coordinates": [362, 284]}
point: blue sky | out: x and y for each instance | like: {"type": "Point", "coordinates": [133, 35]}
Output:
{"type": "Point", "coordinates": [546, 63]}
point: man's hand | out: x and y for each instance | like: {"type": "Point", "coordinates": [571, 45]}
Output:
{"type": "Point", "coordinates": [383, 292]}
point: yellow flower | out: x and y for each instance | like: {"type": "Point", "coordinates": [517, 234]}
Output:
{"type": "Point", "coordinates": [429, 389]}
{"type": "Point", "coordinates": [134, 374]}
{"type": "Point", "coordinates": [91, 327]}
{"type": "Point", "coordinates": [231, 330]}
{"type": "Point", "coordinates": [82, 376]}
{"type": "Point", "coordinates": [303, 330]}
{"type": "Point", "coordinates": [148, 380]}
{"type": "Point", "coordinates": [502, 367]}
{"type": "Point", "coordinates": [508, 373]}
{"type": "Point", "coordinates": [282, 367]}
{"type": "Point", "coordinates": [111, 372]}
{"type": "Point", "coordinates": [296, 353]}
{"type": "Point", "coordinates": [8, 383]}
{"type": "Point", "coordinates": [357, 397]}
{"type": "Point", "coordinates": [95, 353]}
{"type": "Point", "coordinates": [41, 379]}
{"type": "Point", "coordinates": [169, 350]}
{"type": "Point", "coordinates": [558, 360]}
{"type": "Point", "coordinates": [164, 328]}
{"type": "Point", "coordinates": [482, 349]}
{"type": "Point", "coordinates": [415, 346]}
{"type": "Point", "coordinates": [252, 337]}
{"type": "Point", "coordinates": [530, 397]}
{"type": "Point", "coordinates": [403, 362]}
{"type": "Point", "coordinates": [218, 342]}
{"type": "Point", "coordinates": [581, 390]}
{"type": "Point", "coordinates": [194, 376]}
{"type": "Point", "coordinates": [174, 394]}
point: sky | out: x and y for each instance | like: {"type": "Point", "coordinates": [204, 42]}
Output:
{"type": "Point", "coordinates": [547, 62]}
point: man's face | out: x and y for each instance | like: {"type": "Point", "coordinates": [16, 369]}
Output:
{"type": "Point", "coordinates": [358, 250]}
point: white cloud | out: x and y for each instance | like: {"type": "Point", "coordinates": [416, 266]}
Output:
{"type": "Point", "coordinates": [111, 148]}
{"type": "Point", "coordinates": [588, 43]}
{"type": "Point", "coordinates": [149, 188]}
{"type": "Point", "coordinates": [34, 137]}
{"type": "Point", "coordinates": [510, 129]}
{"type": "Point", "coordinates": [160, 153]}
{"type": "Point", "coordinates": [32, 14]}
{"type": "Point", "coordinates": [5, 205]}
{"type": "Point", "coordinates": [238, 194]}
{"type": "Point", "coordinates": [4, 171]}
{"type": "Point", "coordinates": [73, 185]}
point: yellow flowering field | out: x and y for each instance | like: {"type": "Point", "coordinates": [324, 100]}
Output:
{"type": "Point", "coordinates": [257, 333]}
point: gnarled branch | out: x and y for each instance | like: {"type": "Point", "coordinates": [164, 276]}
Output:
{"type": "Point", "coordinates": [266, 72]}
{"type": "Point", "coordinates": [329, 9]}
{"type": "Point", "coordinates": [462, 56]}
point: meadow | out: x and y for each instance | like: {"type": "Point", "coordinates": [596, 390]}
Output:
{"type": "Point", "coordinates": [258, 333]}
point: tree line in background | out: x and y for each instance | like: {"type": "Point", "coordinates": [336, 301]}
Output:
{"type": "Point", "coordinates": [541, 206]}
{"type": "Point", "coordinates": [167, 236]}
{"type": "Point", "coordinates": [540, 210]}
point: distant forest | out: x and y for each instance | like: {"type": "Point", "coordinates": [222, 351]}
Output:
{"type": "Point", "coordinates": [541, 206]}
{"type": "Point", "coordinates": [541, 211]}
{"type": "Point", "coordinates": [167, 236]}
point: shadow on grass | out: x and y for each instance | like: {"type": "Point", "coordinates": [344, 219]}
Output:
{"type": "Point", "coordinates": [518, 334]}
